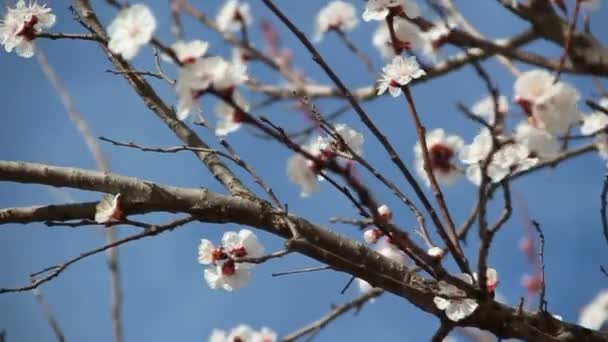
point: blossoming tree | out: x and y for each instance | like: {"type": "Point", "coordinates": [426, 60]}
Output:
{"type": "Point", "coordinates": [441, 266]}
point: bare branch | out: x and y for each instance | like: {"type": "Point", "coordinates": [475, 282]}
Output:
{"type": "Point", "coordinates": [336, 312]}
{"type": "Point", "coordinates": [48, 314]}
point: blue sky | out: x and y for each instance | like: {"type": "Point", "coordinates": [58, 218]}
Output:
{"type": "Point", "coordinates": [165, 297]}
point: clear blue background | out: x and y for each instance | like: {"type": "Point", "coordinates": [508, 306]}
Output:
{"type": "Point", "coordinates": [165, 297]}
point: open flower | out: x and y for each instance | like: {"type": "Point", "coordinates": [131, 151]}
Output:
{"type": "Point", "coordinates": [551, 105]}
{"type": "Point", "coordinates": [188, 52]}
{"type": "Point", "coordinates": [130, 30]}
{"type": "Point", "coordinates": [442, 149]}
{"type": "Point", "coordinates": [22, 24]}
{"type": "Point", "coordinates": [484, 108]}
{"type": "Point", "coordinates": [372, 235]}
{"type": "Point", "coordinates": [408, 37]}
{"type": "Point", "coordinates": [398, 74]}
{"type": "Point", "coordinates": [229, 118]}
{"type": "Point", "coordinates": [596, 121]}
{"type": "Point", "coordinates": [491, 279]}
{"type": "Point", "coordinates": [453, 301]}
{"type": "Point", "coordinates": [233, 16]}
{"type": "Point", "coordinates": [304, 172]}
{"type": "Point", "coordinates": [540, 142]}
{"type": "Point", "coordinates": [380, 9]}
{"type": "Point", "coordinates": [510, 158]}
{"type": "Point", "coordinates": [353, 139]}
{"type": "Point", "coordinates": [595, 314]}
{"type": "Point", "coordinates": [197, 77]}
{"type": "Point", "coordinates": [243, 333]}
{"type": "Point", "coordinates": [225, 272]}
{"type": "Point", "coordinates": [337, 15]}
{"type": "Point", "coordinates": [109, 209]}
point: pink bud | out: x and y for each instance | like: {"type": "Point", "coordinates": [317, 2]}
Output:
{"type": "Point", "coordinates": [532, 283]}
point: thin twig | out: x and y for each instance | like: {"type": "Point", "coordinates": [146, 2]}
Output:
{"type": "Point", "coordinates": [264, 258]}
{"type": "Point", "coordinates": [76, 36]}
{"type": "Point", "coordinates": [336, 312]}
{"type": "Point", "coordinates": [358, 52]}
{"type": "Point", "coordinates": [302, 270]}
{"type": "Point", "coordinates": [59, 268]}
{"type": "Point", "coordinates": [102, 164]}
{"type": "Point", "coordinates": [48, 315]}
{"type": "Point", "coordinates": [542, 305]}
{"type": "Point", "coordinates": [568, 43]}
{"type": "Point", "coordinates": [603, 207]}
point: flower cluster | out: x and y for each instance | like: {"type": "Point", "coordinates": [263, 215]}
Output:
{"type": "Point", "coordinates": [372, 235]}
{"type": "Point", "coordinates": [225, 271]}
{"type": "Point", "coordinates": [22, 24]}
{"type": "Point", "coordinates": [243, 333]}
{"type": "Point", "coordinates": [222, 76]}
{"type": "Point", "coordinates": [130, 30]}
{"type": "Point", "coordinates": [305, 172]}
{"type": "Point", "coordinates": [509, 158]}
{"type": "Point", "coordinates": [338, 16]}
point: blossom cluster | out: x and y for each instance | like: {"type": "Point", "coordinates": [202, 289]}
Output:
{"type": "Point", "coordinates": [243, 333]}
{"type": "Point", "coordinates": [225, 270]}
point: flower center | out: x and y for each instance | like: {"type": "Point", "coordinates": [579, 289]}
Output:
{"type": "Point", "coordinates": [218, 254]}
{"type": "Point", "coordinates": [440, 156]}
{"type": "Point", "coordinates": [239, 252]}
{"type": "Point", "coordinates": [394, 84]}
{"type": "Point", "coordinates": [228, 268]}
{"type": "Point", "coordinates": [526, 105]}
{"type": "Point", "coordinates": [28, 31]}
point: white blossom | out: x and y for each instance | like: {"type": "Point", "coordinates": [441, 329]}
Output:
{"type": "Point", "coordinates": [435, 252]}
{"type": "Point", "coordinates": [188, 52]}
{"type": "Point", "coordinates": [491, 279]}
{"type": "Point", "coordinates": [508, 159]}
{"type": "Point", "coordinates": [408, 37]}
{"type": "Point", "coordinates": [336, 15]}
{"type": "Point", "coordinates": [130, 30]}
{"type": "Point", "coordinates": [22, 24]}
{"type": "Point", "coordinates": [380, 9]}
{"type": "Point", "coordinates": [109, 209]}
{"type": "Point", "coordinates": [229, 118]}
{"type": "Point", "coordinates": [385, 212]}
{"type": "Point", "coordinates": [303, 171]}
{"type": "Point", "coordinates": [207, 72]}
{"type": "Point", "coordinates": [225, 272]}
{"type": "Point", "coordinates": [372, 235]}
{"type": "Point", "coordinates": [217, 336]}
{"type": "Point", "coordinates": [233, 15]}
{"type": "Point", "coordinates": [595, 121]}
{"type": "Point", "coordinates": [264, 335]}
{"type": "Point", "coordinates": [243, 244]}
{"type": "Point", "coordinates": [393, 253]}
{"type": "Point", "coordinates": [441, 150]}
{"type": "Point", "coordinates": [556, 110]}
{"type": "Point", "coordinates": [550, 105]}
{"type": "Point", "coordinates": [595, 314]}
{"type": "Point", "coordinates": [436, 36]}
{"type": "Point", "coordinates": [243, 333]}
{"type": "Point", "coordinates": [484, 108]}
{"type": "Point", "coordinates": [453, 301]}
{"type": "Point", "coordinates": [540, 142]}
{"type": "Point", "coordinates": [364, 286]}
{"type": "Point", "coordinates": [398, 74]}
{"type": "Point", "coordinates": [353, 139]}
